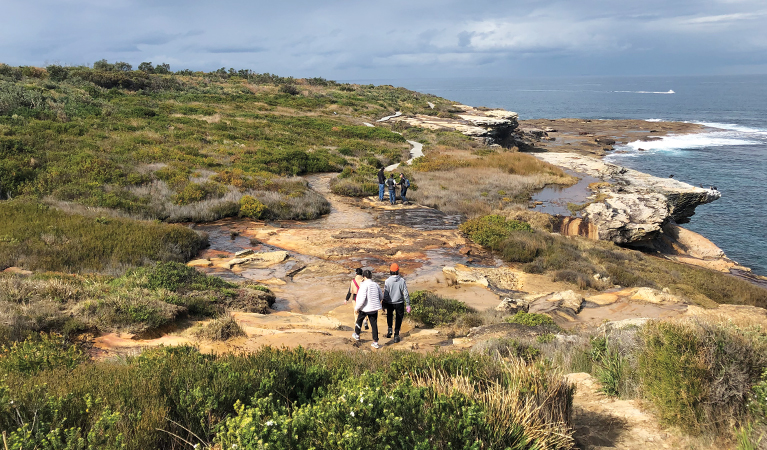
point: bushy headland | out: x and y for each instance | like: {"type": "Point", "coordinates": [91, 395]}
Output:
{"type": "Point", "coordinates": [105, 170]}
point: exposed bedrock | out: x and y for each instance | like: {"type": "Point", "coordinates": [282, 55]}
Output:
{"type": "Point", "coordinates": [493, 126]}
{"type": "Point", "coordinates": [633, 207]}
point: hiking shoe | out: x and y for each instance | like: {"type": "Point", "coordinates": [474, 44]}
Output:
{"type": "Point", "coordinates": [388, 335]}
{"type": "Point", "coordinates": [355, 336]}
{"type": "Point", "coordinates": [375, 345]}
{"type": "Point", "coordinates": [397, 339]}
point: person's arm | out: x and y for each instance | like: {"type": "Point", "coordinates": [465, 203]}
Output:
{"type": "Point", "coordinates": [361, 297]}
{"type": "Point", "coordinates": [348, 294]}
{"type": "Point", "coordinates": [406, 295]}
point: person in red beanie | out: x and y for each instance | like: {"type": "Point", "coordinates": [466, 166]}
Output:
{"type": "Point", "coordinates": [396, 299]}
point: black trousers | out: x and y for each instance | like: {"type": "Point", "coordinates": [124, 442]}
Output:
{"type": "Point", "coordinates": [390, 309]}
{"type": "Point", "coordinates": [372, 318]}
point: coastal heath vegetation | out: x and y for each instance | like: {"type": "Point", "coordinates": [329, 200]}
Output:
{"type": "Point", "coordinates": [138, 301]}
{"type": "Point", "coordinates": [158, 144]}
{"type": "Point", "coordinates": [177, 397]}
{"type": "Point", "coordinates": [600, 265]}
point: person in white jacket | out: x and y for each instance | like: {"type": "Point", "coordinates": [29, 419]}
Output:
{"type": "Point", "coordinates": [368, 304]}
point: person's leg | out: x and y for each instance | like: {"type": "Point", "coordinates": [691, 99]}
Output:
{"type": "Point", "coordinates": [400, 309]}
{"type": "Point", "coordinates": [380, 192]}
{"type": "Point", "coordinates": [389, 316]}
{"type": "Point", "coordinates": [358, 325]}
{"type": "Point", "coordinates": [392, 197]}
{"type": "Point", "coordinates": [404, 192]}
{"type": "Point", "coordinates": [373, 317]}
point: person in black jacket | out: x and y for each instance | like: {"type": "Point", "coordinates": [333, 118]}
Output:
{"type": "Point", "coordinates": [404, 183]}
{"type": "Point", "coordinates": [381, 182]}
{"type": "Point", "coordinates": [392, 183]}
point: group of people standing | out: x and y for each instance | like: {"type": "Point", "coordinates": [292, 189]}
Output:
{"type": "Point", "coordinates": [391, 183]}
{"type": "Point", "coordinates": [369, 299]}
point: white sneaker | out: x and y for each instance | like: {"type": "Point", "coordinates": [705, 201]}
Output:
{"type": "Point", "coordinates": [375, 345]}
{"type": "Point", "coordinates": [355, 336]}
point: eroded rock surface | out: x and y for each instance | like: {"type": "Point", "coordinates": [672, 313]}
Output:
{"type": "Point", "coordinates": [634, 206]}
{"type": "Point", "coordinates": [494, 126]}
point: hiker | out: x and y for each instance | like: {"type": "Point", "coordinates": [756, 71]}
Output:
{"type": "Point", "coordinates": [396, 298]}
{"type": "Point", "coordinates": [368, 304]}
{"type": "Point", "coordinates": [354, 287]}
{"type": "Point", "coordinates": [392, 185]}
{"type": "Point", "coordinates": [381, 181]}
{"type": "Point", "coordinates": [404, 183]}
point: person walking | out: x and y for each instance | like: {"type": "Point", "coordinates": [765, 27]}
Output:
{"type": "Point", "coordinates": [392, 185]}
{"type": "Point", "coordinates": [354, 287]}
{"type": "Point", "coordinates": [404, 183]}
{"type": "Point", "coordinates": [381, 182]}
{"type": "Point", "coordinates": [368, 304]}
{"type": "Point", "coordinates": [396, 299]}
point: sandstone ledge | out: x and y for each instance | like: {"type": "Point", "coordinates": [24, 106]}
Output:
{"type": "Point", "coordinates": [636, 205]}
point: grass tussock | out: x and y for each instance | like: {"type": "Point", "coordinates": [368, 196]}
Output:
{"type": "Point", "coordinates": [600, 265]}
{"type": "Point", "coordinates": [167, 396]}
{"type": "Point", "coordinates": [221, 329]}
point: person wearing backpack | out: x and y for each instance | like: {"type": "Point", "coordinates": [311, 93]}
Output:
{"type": "Point", "coordinates": [354, 287]}
{"type": "Point", "coordinates": [392, 184]}
{"type": "Point", "coordinates": [368, 304]}
{"type": "Point", "coordinates": [404, 183]}
{"type": "Point", "coordinates": [395, 300]}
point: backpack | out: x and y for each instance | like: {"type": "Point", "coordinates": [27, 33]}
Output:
{"type": "Point", "coordinates": [407, 183]}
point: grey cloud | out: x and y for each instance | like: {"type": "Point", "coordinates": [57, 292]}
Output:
{"type": "Point", "coordinates": [341, 39]}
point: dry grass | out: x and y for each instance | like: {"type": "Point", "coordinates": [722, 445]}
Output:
{"type": "Point", "coordinates": [538, 401]}
{"type": "Point", "coordinates": [221, 329]}
{"type": "Point", "coordinates": [475, 191]}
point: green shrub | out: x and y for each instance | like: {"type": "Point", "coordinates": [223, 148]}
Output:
{"type": "Point", "coordinates": [37, 353]}
{"type": "Point", "coordinates": [490, 231]}
{"type": "Point", "coordinates": [609, 368]}
{"type": "Point", "coordinates": [531, 319]}
{"type": "Point", "coordinates": [251, 207]}
{"type": "Point", "coordinates": [673, 375]}
{"type": "Point", "coordinates": [432, 310]}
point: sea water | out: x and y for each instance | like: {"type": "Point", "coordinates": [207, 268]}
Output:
{"type": "Point", "coordinates": [731, 155]}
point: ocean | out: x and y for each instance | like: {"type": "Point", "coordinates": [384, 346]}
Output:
{"type": "Point", "coordinates": [732, 156]}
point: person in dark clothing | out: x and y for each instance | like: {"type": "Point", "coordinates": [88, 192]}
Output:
{"type": "Point", "coordinates": [392, 185]}
{"type": "Point", "coordinates": [404, 183]}
{"type": "Point", "coordinates": [395, 299]}
{"type": "Point", "coordinates": [381, 181]}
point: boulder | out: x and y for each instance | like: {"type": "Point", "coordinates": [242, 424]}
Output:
{"type": "Point", "coordinates": [510, 306]}
{"type": "Point", "coordinates": [565, 304]}
{"type": "Point", "coordinates": [18, 271]}
{"type": "Point", "coordinates": [497, 278]}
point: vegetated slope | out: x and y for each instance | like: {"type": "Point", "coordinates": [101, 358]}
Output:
{"type": "Point", "coordinates": [187, 146]}
{"type": "Point", "coordinates": [602, 265]}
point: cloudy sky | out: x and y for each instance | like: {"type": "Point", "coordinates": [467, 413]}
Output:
{"type": "Point", "coordinates": [348, 40]}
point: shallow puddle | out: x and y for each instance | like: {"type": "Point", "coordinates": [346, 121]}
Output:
{"type": "Point", "coordinates": [555, 198]}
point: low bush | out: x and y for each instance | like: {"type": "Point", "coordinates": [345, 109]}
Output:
{"type": "Point", "coordinates": [252, 208]}
{"type": "Point", "coordinates": [531, 319]}
{"type": "Point", "coordinates": [490, 231]}
{"type": "Point", "coordinates": [432, 310]}
{"type": "Point", "coordinates": [700, 376]}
